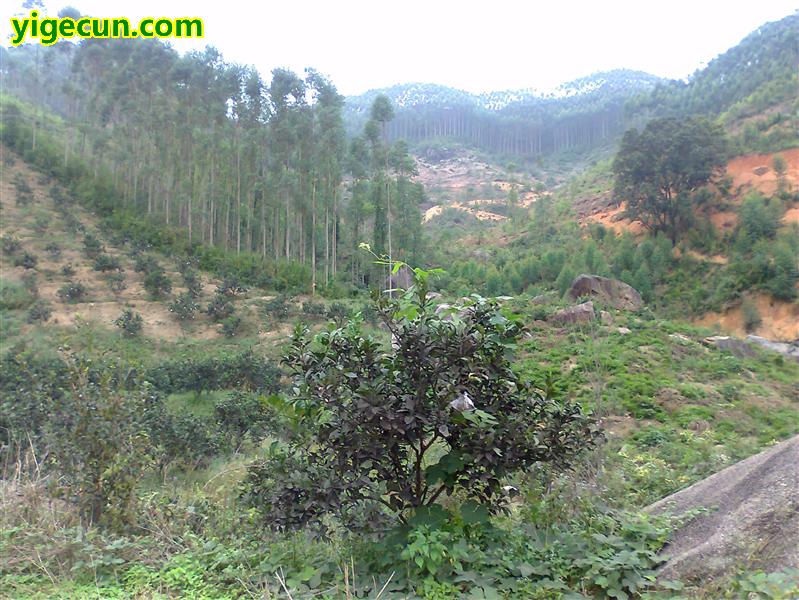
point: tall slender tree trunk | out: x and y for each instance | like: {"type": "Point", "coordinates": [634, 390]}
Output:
{"type": "Point", "coordinates": [313, 238]}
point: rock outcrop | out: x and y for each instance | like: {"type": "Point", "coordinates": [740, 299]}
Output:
{"type": "Point", "coordinates": [746, 348]}
{"type": "Point", "coordinates": [582, 313]}
{"type": "Point", "coordinates": [791, 350]}
{"type": "Point", "coordinates": [612, 292]}
{"type": "Point", "coordinates": [735, 346]}
{"type": "Point", "coordinates": [752, 520]}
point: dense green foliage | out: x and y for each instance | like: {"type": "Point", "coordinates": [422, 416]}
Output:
{"type": "Point", "coordinates": [212, 152]}
{"type": "Point", "coordinates": [441, 445]}
{"type": "Point", "coordinates": [372, 419]}
{"type": "Point", "coordinates": [658, 170]}
{"type": "Point", "coordinates": [582, 113]}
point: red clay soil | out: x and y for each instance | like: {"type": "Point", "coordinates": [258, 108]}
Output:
{"type": "Point", "coordinates": [610, 219]}
{"type": "Point", "coordinates": [780, 320]}
{"type": "Point", "coordinates": [756, 171]}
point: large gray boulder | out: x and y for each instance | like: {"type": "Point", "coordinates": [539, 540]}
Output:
{"type": "Point", "coordinates": [612, 292]}
{"type": "Point", "coordinates": [791, 350]}
{"type": "Point", "coordinates": [752, 520]}
{"type": "Point", "coordinates": [582, 313]}
{"type": "Point", "coordinates": [735, 346]}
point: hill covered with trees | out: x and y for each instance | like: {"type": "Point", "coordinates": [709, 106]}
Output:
{"type": "Point", "coordinates": [584, 112]}
{"type": "Point", "coordinates": [756, 74]}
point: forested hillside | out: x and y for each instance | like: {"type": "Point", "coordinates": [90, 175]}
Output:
{"type": "Point", "coordinates": [758, 73]}
{"type": "Point", "coordinates": [581, 113]}
{"type": "Point", "coordinates": [230, 160]}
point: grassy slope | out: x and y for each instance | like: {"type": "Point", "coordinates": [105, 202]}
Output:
{"type": "Point", "coordinates": [674, 409]}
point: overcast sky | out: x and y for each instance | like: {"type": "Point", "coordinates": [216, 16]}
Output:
{"type": "Point", "coordinates": [476, 46]}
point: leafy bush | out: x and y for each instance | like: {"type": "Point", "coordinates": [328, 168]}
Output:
{"type": "Point", "coordinates": [230, 286]}
{"type": "Point", "coordinates": [241, 414]}
{"type": "Point", "coordinates": [184, 307]}
{"type": "Point", "coordinates": [53, 250]}
{"type": "Point", "coordinates": [72, 292]}
{"type": "Point", "coordinates": [313, 309]}
{"type": "Point", "coordinates": [116, 282]}
{"type": "Point", "coordinates": [340, 313]}
{"type": "Point", "coordinates": [24, 194]}
{"type": "Point", "coordinates": [181, 438]}
{"type": "Point", "coordinates": [220, 308]}
{"type": "Point", "coordinates": [68, 270]}
{"type": "Point", "coordinates": [191, 280]}
{"type": "Point", "coordinates": [106, 262]}
{"type": "Point", "coordinates": [41, 223]}
{"type": "Point", "coordinates": [27, 260]}
{"type": "Point", "coordinates": [277, 308]}
{"type": "Point", "coordinates": [751, 316]}
{"type": "Point", "coordinates": [130, 323]}
{"type": "Point", "coordinates": [446, 383]}
{"type": "Point", "coordinates": [97, 443]}
{"type": "Point", "coordinates": [30, 282]}
{"type": "Point", "coordinates": [145, 263]}
{"type": "Point", "coordinates": [757, 220]}
{"type": "Point", "coordinates": [91, 245]}
{"type": "Point", "coordinates": [230, 326]}
{"type": "Point", "coordinates": [235, 370]}
{"type": "Point", "coordinates": [40, 311]}
{"type": "Point", "coordinates": [157, 283]}
{"type": "Point", "coordinates": [14, 296]}
{"type": "Point", "coordinates": [10, 243]}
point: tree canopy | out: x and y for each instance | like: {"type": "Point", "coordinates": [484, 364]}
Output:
{"type": "Point", "coordinates": [658, 169]}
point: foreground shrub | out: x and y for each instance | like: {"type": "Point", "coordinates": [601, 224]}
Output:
{"type": "Point", "coordinates": [72, 292]}
{"type": "Point", "coordinates": [230, 326]}
{"type": "Point", "coordinates": [106, 262]}
{"type": "Point", "coordinates": [26, 261]}
{"type": "Point", "coordinates": [98, 444]}
{"type": "Point", "coordinates": [10, 243]}
{"type": "Point", "coordinates": [130, 323]}
{"type": "Point", "coordinates": [220, 308]}
{"type": "Point", "coordinates": [157, 283]}
{"type": "Point", "coordinates": [184, 307]}
{"type": "Point", "coordinates": [368, 416]}
{"type": "Point", "coordinates": [40, 311]}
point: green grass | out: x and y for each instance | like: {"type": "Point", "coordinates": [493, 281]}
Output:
{"type": "Point", "coordinates": [14, 296]}
{"type": "Point", "coordinates": [691, 409]}
{"type": "Point", "coordinates": [198, 404]}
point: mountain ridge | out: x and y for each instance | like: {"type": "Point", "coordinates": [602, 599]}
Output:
{"type": "Point", "coordinates": [405, 95]}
